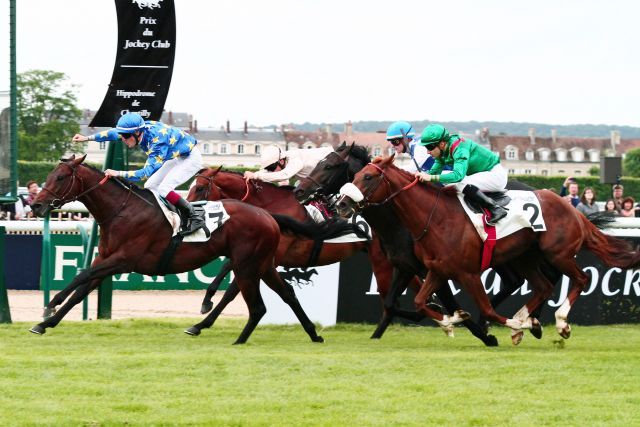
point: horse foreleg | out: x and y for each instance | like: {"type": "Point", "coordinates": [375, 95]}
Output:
{"type": "Point", "coordinates": [287, 294]}
{"type": "Point", "coordinates": [59, 298]}
{"type": "Point", "coordinates": [474, 287]}
{"type": "Point", "coordinates": [399, 284]}
{"type": "Point", "coordinates": [431, 284]}
{"type": "Point", "coordinates": [85, 282]}
{"type": "Point", "coordinates": [207, 303]}
{"type": "Point", "coordinates": [208, 321]}
{"type": "Point", "coordinates": [477, 329]}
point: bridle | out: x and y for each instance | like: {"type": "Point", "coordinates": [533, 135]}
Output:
{"type": "Point", "coordinates": [365, 200]}
{"type": "Point", "coordinates": [61, 200]}
{"type": "Point", "coordinates": [319, 188]}
{"type": "Point", "coordinates": [210, 180]}
{"type": "Point", "coordinates": [382, 177]}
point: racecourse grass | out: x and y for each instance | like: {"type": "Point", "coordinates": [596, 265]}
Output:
{"type": "Point", "coordinates": [147, 372]}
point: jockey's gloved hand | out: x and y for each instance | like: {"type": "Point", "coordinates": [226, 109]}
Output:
{"type": "Point", "coordinates": [425, 177]}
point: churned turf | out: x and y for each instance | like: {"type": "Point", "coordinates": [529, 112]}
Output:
{"type": "Point", "coordinates": [147, 372]}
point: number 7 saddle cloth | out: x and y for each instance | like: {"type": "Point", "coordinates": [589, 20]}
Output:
{"type": "Point", "coordinates": [215, 216]}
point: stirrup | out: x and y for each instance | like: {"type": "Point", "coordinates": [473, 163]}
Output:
{"type": "Point", "coordinates": [495, 218]}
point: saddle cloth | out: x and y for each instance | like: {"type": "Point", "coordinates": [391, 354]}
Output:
{"type": "Point", "coordinates": [523, 212]}
{"type": "Point", "coordinates": [317, 216]}
{"type": "Point", "coordinates": [215, 216]}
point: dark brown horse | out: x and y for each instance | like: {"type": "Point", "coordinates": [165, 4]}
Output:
{"type": "Point", "coordinates": [134, 234]}
{"type": "Point", "coordinates": [390, 265]}
{"type": "Point", "coordinates": [450, 247]}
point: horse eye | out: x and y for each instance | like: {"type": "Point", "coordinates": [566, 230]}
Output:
{"type": "Point", "coordinates": [198, 189]}
{"type": "Point", "coordinates": [367, 177]}
{"type": "Point", "coordinates": [327, 167]}
{"type": "Point", "coordinates": [60, 177]}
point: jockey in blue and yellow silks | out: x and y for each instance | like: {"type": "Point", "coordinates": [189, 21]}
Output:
{"type": "Point", "coordinates": [173, 158]}
{"type": "Point", "coordinates": [474, 168]}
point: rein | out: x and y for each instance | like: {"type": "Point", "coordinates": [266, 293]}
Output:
{"type": "Point", "coordinates": [406, 187]}
{"type": "Point", "coordinates": [426, 227]}
{"type": "Point", "coordinates": [59, 201]}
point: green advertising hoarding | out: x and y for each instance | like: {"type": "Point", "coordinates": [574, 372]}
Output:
{"type": "Point", "coordinates": [66, 257]}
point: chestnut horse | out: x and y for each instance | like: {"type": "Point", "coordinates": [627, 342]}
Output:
{"type": "Point", "coordinates": [134, 234]}
{"type": "Point", "coordinates": [392, 265]}
{"type": "Point", "coordinates": [340, 167]}
{"type": "Point", "coordinates": [450, 247]}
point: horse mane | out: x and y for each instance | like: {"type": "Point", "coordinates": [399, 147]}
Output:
{"type": "Point", "coordinates": [360, 152]}
{"type": "Point", "coordinates": [287, 188]}
{"type": "Point", "coordinates": [142, 192]}
{"type": "Point", "coordinates": [446, 190]}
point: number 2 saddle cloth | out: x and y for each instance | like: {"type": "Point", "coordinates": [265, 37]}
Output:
{"type": "Point", "coordinates": [523, 212]}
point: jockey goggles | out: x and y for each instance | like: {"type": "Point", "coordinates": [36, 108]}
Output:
{"type": "Point", "coordinates": [396, 141]}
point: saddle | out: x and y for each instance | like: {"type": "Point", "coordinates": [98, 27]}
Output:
{"type": "Point", "coordinates": [198, 207]}
{"type": "Point", "coordinates": [500, 198]}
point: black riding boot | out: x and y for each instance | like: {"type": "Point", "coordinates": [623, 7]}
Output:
{"type": "Point", "coordinates": [194, 221]}
{"type": "Point", "coordinates": [497, 212]}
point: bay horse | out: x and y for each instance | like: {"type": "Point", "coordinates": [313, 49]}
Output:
{"type": "Point", "coordinates": [450, 247]}
{"type": "Point", "coordinates": [213, 184]}
{"type": "Point", "coordinates": [134, 234]}
{"type": "Point", "coordinates": [340, 167]}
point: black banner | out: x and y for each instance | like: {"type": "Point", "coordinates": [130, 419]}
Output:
{"type": "Point", "coordinates": [144, 61]}
{"type": "Point", "coordinates": [611, 296]}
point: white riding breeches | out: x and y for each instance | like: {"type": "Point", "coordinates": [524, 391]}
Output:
{"type": "Point", "coordinates": [175, 172]}
{"type": "Point", "coordinates": [493, 180]}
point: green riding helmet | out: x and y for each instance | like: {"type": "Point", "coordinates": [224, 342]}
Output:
{"type": "Point", "coordinates": [433, 134]}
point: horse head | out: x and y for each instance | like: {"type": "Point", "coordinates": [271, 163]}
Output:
{"type": "Point", "coordinates": [332, 172]}
{"type": "Point", "coordinates": [63, 185]}
{"type": "Point", "coordinates": [204, 187]}
{"type": "Point", "coordinates": [366, 189]}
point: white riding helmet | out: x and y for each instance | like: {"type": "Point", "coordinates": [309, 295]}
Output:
{"type": "Point", "coordinates": [269, 156]}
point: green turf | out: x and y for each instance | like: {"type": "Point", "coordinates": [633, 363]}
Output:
{"type": "Point", "coordinates": [148, 372]}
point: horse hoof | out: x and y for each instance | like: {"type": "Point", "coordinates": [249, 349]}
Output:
{"type": "Point", "coordinates": [463, 315]}
{"type": "Point", "coordinates": [38, 330]}
{"type": "Point", "coordinates": [193, 331]}
{"type": "Point", "coordinates": [318, 339]}
{"type": "Point", "coordinates": [565, 332]}
{"type": "Point", "coordinates": [536, 328]}
{"type": "Point", "coordinates": [48, 312]}
{"type": "Point", "coordinates": [206, 307]}
{"type": "Point", "coordinates": [516, 337]}
{"type": "Point", "coordinates": [491, 341]}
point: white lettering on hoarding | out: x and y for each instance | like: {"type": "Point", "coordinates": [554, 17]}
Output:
{"type": "Point", "coordinates": [60, 261]}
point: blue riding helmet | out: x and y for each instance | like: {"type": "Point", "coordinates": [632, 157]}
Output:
{"type": "Point", "coordinates": [399, 129]}
{"type": "Point", "coordinates": [129, 123]}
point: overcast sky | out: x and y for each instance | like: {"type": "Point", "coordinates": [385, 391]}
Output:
{"type": "Point", "coordinates": [273, 62]}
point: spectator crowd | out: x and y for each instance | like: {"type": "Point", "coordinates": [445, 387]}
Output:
{"type": "Point", "coordinates": [586, 202]}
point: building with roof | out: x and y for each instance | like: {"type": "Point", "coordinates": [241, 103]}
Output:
{"type": "Point", "coordinates": [565, 156]}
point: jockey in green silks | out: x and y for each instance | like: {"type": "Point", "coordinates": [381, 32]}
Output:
{"type": "Point", "coordinates": [474, 168]}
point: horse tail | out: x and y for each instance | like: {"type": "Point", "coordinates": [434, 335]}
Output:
{"type": "Point", "coordinates": [601, 219]}
{"type": "Point", "coordinates": [612, 251]}
{"type": "Point", "coordinates": [329, 229]}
